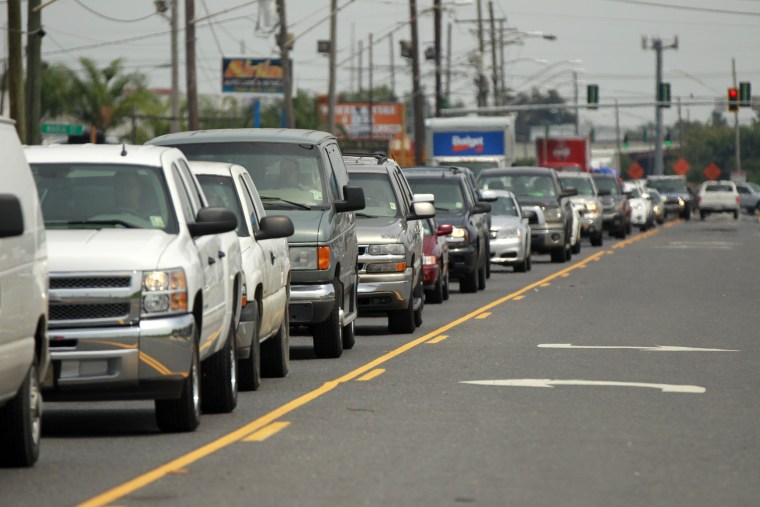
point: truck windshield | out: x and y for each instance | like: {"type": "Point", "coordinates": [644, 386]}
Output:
{"type": "Point", "coordinates": [669, 186]}
{"type": "Point", "coordinates": [96, 196]}
{"type": "Point", "coordinates": [609, 184]}
{"type": "Point", "coordinates": [522, 185]}
{"type": "Point", "coordinates": [287, 175]}
{"type": "Point", "coordinates": [449, 198]}
{"type": "Point", "coordinates": [378, 193]}
{"type": "Point", "coordinates": [583, 185]}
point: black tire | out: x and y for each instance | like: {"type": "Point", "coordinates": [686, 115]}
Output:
{"type": "Point", "coordinates": [621, 232]}
{"type": "Point", "coordinates": [435, 295]}
{"type": "Point", "coordinates": [21, 422]}
{"type": "Point", "coordinates": [702, 215]}
{"type": "Point", "coordinates": [184, 413]}
{"type": "Point", "coordinates": [328, 335]}
{"type": "Point", "coordinates": [686, 214]}
{"type": "Point", "coordinates": [488, 261]}
{"type": "Point", "coordinates": [597, 239]}
{"type": "Point", "coordinates": [249, 369]}
{"type": "Point", "coordinates": [275, 352]}
{"type": "Point", "coordinates": [559, 255]}
{"type": "Point", "coordinates": [522, 267]}
{"type": "Point", "coordinates": [446, 287]}
{"type": "Point", "coordinates": [419, 293]}
{"type": "Point", "coordinates": [469, 282]}
{"type": "Point", "coordinates": [219, 378]}
{"type": "Point", "coordinates": [402, 321]}
{"type": "Point", "coordinates": [349, 334]}
{"type": "Point", "coordinates": [530, 262]}
{"type": "Point", "coordinates": [577, 247]}
{"type": "Point", "coordinates": [482, 275]}
{"type": "Point", "coordinates": [736, 215]}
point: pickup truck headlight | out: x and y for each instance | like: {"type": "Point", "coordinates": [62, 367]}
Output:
{"type": "Point", "coordinates": [389, 249]}
{"type": "Point", "coordinates": [591, 207]}
{"type": "Point", "coordinates": [458, 235]}
{"type": "Point", "coordinates": [386, 267]}
{"type": "Point", "coordinates": [309, 257]}
{"type": "Point", "coordinates": [164, 292]}
{"type": "Point", "coordinates": [553, 215]}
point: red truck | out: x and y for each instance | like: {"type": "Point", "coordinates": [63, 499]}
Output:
{"type": "Point", "coordinates": [565, 154]}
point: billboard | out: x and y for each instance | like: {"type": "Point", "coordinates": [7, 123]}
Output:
{"type": "Point", "coordinates": [468, 143]}
{"type": "Point", "coordinates": [353, 119]}
{"type": "Point", "coordinates": [252, 75]}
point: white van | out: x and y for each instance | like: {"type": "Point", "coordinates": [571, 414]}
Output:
{"type": "Point", "coordinates": [24, 354]}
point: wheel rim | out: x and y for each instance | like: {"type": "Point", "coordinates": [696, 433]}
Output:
{"type": "Point", "coordinates": [35, 407]}
{"type": "Point", "coordinates": [196, 380]}
{"type": "Point", "coordinates": [233, 370]}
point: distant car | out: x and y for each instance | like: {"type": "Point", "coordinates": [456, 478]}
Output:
{"type": "Point", "coordinates": [389, 233]}
{"type": "Point", "coordinates": [749, 196]}
{"type": "Point", "coordinates": [658, 205]}
{"type": "Point", "coordinates": [539, 186]}
{"type": "Point", "coordinates": [435, 261]}
{"type": "Point", "coordinates": [510, 232]}
{"type": "Point", "coordinates": [616, 212]}
{"type": "Point", "coordinates": [678, 200]}
{"type": "Point", "coordinates": [718, 197]}
{"type": "Point", "coordinates": [263, 335]}
{"type": "Point", "coordinates": [642, 214]}
{"type": "Point", "coordinates": [457, 204]}
{"type": "Point", "coordinates": [587, 202]}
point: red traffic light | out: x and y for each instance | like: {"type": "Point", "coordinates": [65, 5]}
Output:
{"type": "Point", "coordinates": [733, 93]}
{"type": "Point", "coordinates": [733, 99]}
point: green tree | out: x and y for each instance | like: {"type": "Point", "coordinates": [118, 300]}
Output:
{"type": "Point", "coordinates": [56, 82]}
{"type": "Point", "coordinates": [540, 117]}
{"type": "Point", "coordinates": [305, 112]}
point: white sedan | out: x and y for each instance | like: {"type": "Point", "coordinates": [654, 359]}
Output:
{"type": "Point", "coordinates": [510, 232]}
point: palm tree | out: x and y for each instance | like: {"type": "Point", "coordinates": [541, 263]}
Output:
{"type": "Point", "coordinates": [105, 97]}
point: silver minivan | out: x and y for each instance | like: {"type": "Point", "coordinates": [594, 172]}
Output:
{"type": "Point", "coordinates": [24, 354]}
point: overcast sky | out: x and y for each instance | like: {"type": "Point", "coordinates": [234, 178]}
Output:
{"type": "Point", "coordinates": [605, 34]}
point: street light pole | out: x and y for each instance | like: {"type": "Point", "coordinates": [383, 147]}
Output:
{"type": "Point", "coordinates": [658, 47]}
{"type": "Point", "coordinates": [437, 16]}
{"type": "Point", "coordinates": [331, 85]}
{"type": "Point", "coordinates": [417, 98]}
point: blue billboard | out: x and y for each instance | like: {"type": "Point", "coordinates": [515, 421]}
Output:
{"type": "Point", "coordinates": [468, 143]}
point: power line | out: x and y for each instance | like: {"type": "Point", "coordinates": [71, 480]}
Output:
{"type": "Point", "coordinates": [687, 8]}
{"type": "Point", "coordinates": [109, 18]}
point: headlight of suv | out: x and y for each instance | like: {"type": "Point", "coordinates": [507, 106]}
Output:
{"type": "Point", "coordinates": [389, 249]}
{"type": "Point", "coordinates": [386, 267]}
{"type": "Point", "coordinates": [310, 257]}
{"type": "Point", "coordinates": [164, 292]}
{"type": "Point", "coordinates": [591, 207]}
{"type": "Point", "coordinates": [553, 215]}
{"type": "Point", "coordinates": [458, 235]}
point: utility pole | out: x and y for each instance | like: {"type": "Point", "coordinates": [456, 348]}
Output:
{"type": "Point", "coordinates": [737, 143]}
{"type": "Point", "coordinates": [494, 67]}
{"type": "Point", "coordinates": [359, 69]}
{"type": "Point", "coordinates": [617, 134]}
{"type": "Point", "coordinates": [193, 118]}
{"type": "Point", "coordinates": [577, 110]}
{"type": "Point", "coordinates": [285, 42]}
{"type": "Point", "coordinates": [331, 86]}
{"type": "Point", "coordinates": [481, 79]}
{"type": "Point", "coordinates": [417, 98]}
{"type": "Point", "coordinates": [371, 84]}
{"type": "Point", "coordinates": [502, 77]}
{"type": "Point", "coordinates": [657, 45]}
{"type": "Point", "coordinates": [16, 69]}
{"type": "Point", "coordinates": [437, 16]}
{"type": "Point", "coordinates": [448, 65]}
{"type": "Point", "coordinates": [174, 99]}
{"type": "Point", "coordinates": [34, 34]}
{"type": "Point", "coordinates": [393, 66]}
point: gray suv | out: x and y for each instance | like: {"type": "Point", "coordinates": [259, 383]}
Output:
{"type": "Point", "coordinates": [587, 203]}
{"type": "Point", "coordinates": [390, 243]}
{"type": "Point", "coordinates": [300, 174]}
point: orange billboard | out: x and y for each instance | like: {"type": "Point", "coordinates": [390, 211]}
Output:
{"type": "Point", "coordinates": [353, 118]}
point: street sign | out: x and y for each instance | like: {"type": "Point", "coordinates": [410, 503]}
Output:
{"type": "Point", "coordinates": [681, 167]}
{"type": "Point", "coordinates": [635, 171]}
{"type": "Point", "coordinates": [712, 172]}
{"type": "Point", "coordinates": [65, 129]}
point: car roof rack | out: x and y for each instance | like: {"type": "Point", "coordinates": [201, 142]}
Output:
{"type": "Point", "coordinates": [380, 156]}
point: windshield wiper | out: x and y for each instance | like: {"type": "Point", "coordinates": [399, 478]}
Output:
{"type": "Point", "coordinates": [94, 222]}
{"type": "Point", "coordinates": [441, 209]}
{"type": "Point", "coordinates": [292, 203]}
{"type": "Point", "coordinates": [365, 215]}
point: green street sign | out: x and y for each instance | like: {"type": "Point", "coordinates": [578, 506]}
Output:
{"type": "Point", "coordinates": [62, 129]}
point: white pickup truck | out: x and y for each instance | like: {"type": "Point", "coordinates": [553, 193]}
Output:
{"type": "Point", "coordinates": [263, 335]}
{"type": "Point", "coordinates": [145, 281]}
{"type": "Point", "coordinates": [718, 197]}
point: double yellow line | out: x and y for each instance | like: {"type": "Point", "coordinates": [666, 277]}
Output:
{"type": "Point", "coordinates": [179, 464]}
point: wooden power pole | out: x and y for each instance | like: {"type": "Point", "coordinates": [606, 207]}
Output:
{"type": "Point", "coordinates": [285, 42]}
{"type": "Point", "coordinates": [34, 35]}
{"type": "Point", "coordinates": [417, 98]}
{"type": "Point", "coordinates": [16, 68]}
{"type": "Point", "coordinates": [193, 119]}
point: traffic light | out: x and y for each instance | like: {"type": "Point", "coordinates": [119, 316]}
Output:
{"type": "Point", "coordinates": [625, 141]}
{"type": "Point", "coordinates": [406, 48]}
{"type": "Point", "coordinates": [733, 99]}
{"type": "Point", "coordinates": [667, 139]}
{"type": "Point", "coordinates": [592, 96]}
{"type": "Point", "coordinates": [745, 94]}
{"type": "Point", "coordinates": [663, 95]}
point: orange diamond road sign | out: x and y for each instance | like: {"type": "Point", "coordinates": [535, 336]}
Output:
{"type": "Point", "coordinates": [681, 166]}
{"type": "Point", "coordinates": [712, 172]}
{"type": "Point", "coordinates": [635, 171]}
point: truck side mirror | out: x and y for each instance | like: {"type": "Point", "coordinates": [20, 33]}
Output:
{"type": "Point", "coordinates": [274, 227]}
{"type": "Point", "coordinates": [12, 223]}
{"type": "Point", "coordinates": [213, 220]}
{"type": "Point", "coordinates": [353, 199]}
{"type": "Point", "coordinates": [421, 210]}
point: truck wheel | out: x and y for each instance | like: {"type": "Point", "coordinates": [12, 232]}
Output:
{"type": "Point", "coordinates": [184, 413]}
{"type": "Point", "coordinates": [250, 367]}
{"type": "Point", "coordinates": [275, 352]}
{"type": "Point", "coordinates": [736, 214]}
{"type": "Point", "coordinates": [349, 334]}
{"type": "Point", "coordinates": [328, 335]}
{"type": "Point", "coordinates": [219, 383]}
{"type": "Point", "coordinates": [402, 321]}
{"type": "Point", "coordinates": [21, 422]}
{"type": "Point", "coordinates": [577, 247]}
{"type": "Point", "coordinates": [522, 267]}
{"type": "Point", "coordinates": [419, 293]}
{"type": "Point", "coordinates": [435, 295]}
{"type": "Point", "coordinates": [469, 282]}
{"type": "Point", "coordinates": [482, 274]}
{"type": "Point", "coordinates": [445, 284]}
{"type": "Point", "coordinates": [559, 254]}
{"type": "Point", "coordinates": [597, 239]}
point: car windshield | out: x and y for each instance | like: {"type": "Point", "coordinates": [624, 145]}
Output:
{"type": "Point", "coordinates": [608, 184]}
{"type": "Point", "coordinates": [522, 185]}
{"type": "Point", "coordinates": [719, 188]}
{"type": "Point", "coordinates": [668, 186]}
{"type": "Point", "coordinates": [584, 186]}
{"type": "Point", "coordinates": [378, 195]}
{"type": "Point", "coordinates": [220, 191]}
{"type": "Point", "coordinates": [95, 196]}
{"type": "Point", "coordinates": [287, 175]}
{"type": "Point", "coordinates": [449, 198]}
{"type": "Point", "coordinates": [504, 206]}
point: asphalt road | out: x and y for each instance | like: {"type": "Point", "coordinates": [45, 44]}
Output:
{"type": "Point", "coordinates": [627, 377]}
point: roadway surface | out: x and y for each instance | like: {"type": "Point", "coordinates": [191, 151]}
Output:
{"type": "Point", "coordinates": [628, 377]}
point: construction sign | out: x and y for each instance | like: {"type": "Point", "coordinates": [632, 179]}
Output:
{"type": "Point", "coordinates": [635, 171]}
{"type": "Point", "coordinates": [681, 167]}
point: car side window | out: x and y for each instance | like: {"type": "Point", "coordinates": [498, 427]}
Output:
{"type": "Point", "coordinates": [184, 198]}
{"type": "Point", "coordinates": [249, 203]}
{"type": "Point", "coordinates": [193, 190]}
{"type": "Point", "coordinates": [403, 189]}
{"type": "Point", "coordinates": [336, 165]}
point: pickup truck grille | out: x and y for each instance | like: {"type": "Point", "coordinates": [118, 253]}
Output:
{"type": "Point", "coordinates": [94, 299]}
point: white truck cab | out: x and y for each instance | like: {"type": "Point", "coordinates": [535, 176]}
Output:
{"type": "Point", "coordinates": [24, 355]}
{"type": "Point", "coordinates": [145, 281]}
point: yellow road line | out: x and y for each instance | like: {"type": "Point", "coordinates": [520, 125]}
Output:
{"type": "Point", "coordinates": [518, 298]}
{"type": "Point", "coordinates": [438, 339]}
{"type": "Point", "coordinates": [371, 375]}
{"type": "Point", "coordinates": [156, 474]}
{"type": "Point", "coordinates": [266, 431]}
{"type": "Point", "coordinates": [484, 315]}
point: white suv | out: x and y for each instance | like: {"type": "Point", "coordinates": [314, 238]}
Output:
{"type": "Point", "coordinates": [24, 356]}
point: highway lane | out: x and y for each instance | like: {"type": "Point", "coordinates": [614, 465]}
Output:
{"type": "Point", "coordinates": [415, 434]}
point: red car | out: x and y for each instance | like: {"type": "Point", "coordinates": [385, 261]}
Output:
{"type": "Point", "coordinates": [435, 263]}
